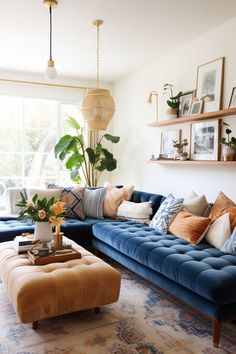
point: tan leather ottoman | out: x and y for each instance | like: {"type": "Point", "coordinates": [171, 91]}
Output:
{"type": "Point", "coordinates": [38, 292]}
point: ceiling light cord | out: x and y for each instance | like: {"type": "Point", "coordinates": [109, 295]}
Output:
{"type": "Point", "coordinates": [50, 31]}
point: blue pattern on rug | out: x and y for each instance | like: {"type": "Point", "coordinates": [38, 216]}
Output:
{"type": "Point", "coordinates": [146, 320]}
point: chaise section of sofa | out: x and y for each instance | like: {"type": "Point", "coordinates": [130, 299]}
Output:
{"type": "Point", "coordinates": [200, 275]}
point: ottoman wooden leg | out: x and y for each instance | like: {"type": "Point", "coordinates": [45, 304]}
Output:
{"type": "Point", "coordinates": [96, 252]}
{"type": "Point", "coordinates": [97, 310]}
{"type": "Point", "coordinates": [216, 333]}
{"type": "Point", "coordinates": [35, 325]}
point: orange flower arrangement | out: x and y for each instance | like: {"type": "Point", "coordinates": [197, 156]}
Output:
{"type": "Point", "coordinates": [42, 210]}
{"type": "Point", "coordinates": [57, 219]}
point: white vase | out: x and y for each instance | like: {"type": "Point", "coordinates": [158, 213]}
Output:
{"type": "Point", "coordinates": [43, 231]}
{"type": "Point", "coordinates": [228, 153]}
{"type": "Point", "coordinates": [171, 114]}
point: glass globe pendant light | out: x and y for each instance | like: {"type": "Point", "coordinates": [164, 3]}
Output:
{"type": "Point", "coordinates": [98, 106]}
{"type": "Point", "coordinates": [50, 71]}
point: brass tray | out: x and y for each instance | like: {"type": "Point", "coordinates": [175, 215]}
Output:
{"type": "Point", "coordinates": [54, 257]}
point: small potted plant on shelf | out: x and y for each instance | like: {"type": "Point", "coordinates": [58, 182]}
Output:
{"type": "Point", "coordinates": [181, 149]}
{"type": "Point", "coordinates": [173, 101]}
{"type": "Point", "coordinates": [228, 151]}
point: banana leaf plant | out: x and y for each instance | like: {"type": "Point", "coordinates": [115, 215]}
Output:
{"type": "Point", "coordinates": [85, 163]}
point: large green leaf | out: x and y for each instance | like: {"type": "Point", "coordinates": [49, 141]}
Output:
{"type": "Point", "coordinates": [106, 164]}
{"type": "Point", "coordinates": [75, 175]}
{"type": "Point", "coordinates": [112, 138]}
{"type": "Point", "coordinates": [73, 123]}
{"type": "Point", "coordinates": [108, 155]}
{"type": "Point", "coordinates": [91, 155]}
{"type": "Point", "coordinates": [62, 145]}
{"type": "Point", "coordinates": [74, 160]}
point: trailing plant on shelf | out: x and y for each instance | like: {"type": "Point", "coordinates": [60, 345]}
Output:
{"type": "Point", "coordinates": [229, 144]}
{"type": "Point", "coordinates": [85, 163]}
{"type": "Point", "coordinates": [173, 101]}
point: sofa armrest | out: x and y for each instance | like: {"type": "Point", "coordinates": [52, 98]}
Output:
{"type": "Point", "coordinates": [13, 195]}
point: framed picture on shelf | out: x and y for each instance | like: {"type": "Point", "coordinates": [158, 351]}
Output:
{"type": "Point", "coordinates": [204, 140]}
{"type": "Point", "coordinates": [210, 83]}
{"type": "Point", "coordinates": [232, 102]}
{"type": "Point", "coordinates": [167, 150]}
{"type": "Point", "coordinates": [196, 108]}
{"type": "Point", "coordinates": [185, 102]}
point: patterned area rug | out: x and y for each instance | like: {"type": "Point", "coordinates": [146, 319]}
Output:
{"type": "Point", "coordinates": [146, 320]}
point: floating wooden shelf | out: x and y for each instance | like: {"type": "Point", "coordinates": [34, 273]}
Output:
{"type": "Point", "coordinates": [194, 162]}
{"type": "Point", "coordinates": [211, 115]}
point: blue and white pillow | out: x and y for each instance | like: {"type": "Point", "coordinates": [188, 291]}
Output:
{"type": "Point", "coordinates": [166, 213]}
{"type": "Point", "coordinates": [230, 244]}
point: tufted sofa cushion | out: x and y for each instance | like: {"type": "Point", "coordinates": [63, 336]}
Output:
{"type": "Point", "coordinates": [77, 230]}
{"type": "Point", "coordinates": [202, 269]}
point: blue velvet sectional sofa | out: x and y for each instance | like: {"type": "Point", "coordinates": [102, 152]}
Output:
{"type": "Point", "coordinates": [200, 275]}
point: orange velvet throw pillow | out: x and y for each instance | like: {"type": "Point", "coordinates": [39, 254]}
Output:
{"type": "Point", "coordinates": [224, 205]}
{"type": "Point", "coordinates": [191, 228]}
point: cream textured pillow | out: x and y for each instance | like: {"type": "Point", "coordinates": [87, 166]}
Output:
{"type": "Point", "coordinates": [219, 231]}
{"type": "Point", "coordinates": [195, 204]}
{"type": "Point", "coordinates": [44, 193]}
{"type": "Point", "coordinates": [114, 197]}
{"type": "Point", "coordinates": [139, 212]}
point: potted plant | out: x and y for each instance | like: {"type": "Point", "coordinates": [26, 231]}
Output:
{"type": "Point", "coordinates": [181, 148]}
{"type": "Point", "coordinates": [85, 163]}
{"type": "Point", "coordinates": [46, 213]}
{"type": "Point", "coordinates": [229, 144]}
{"type": "Point", "coordinates": [173, 101]}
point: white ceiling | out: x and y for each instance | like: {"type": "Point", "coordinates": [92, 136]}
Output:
{"type": "Point", "coordinates": [134, 33]}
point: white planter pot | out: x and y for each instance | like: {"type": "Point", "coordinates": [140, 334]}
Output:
{"type": "Point", "coordinates": [43, 231]}
{"type": "Point", "coordinates": [170, 114]}
{"type": "Point", "coordinates": [228, 153]}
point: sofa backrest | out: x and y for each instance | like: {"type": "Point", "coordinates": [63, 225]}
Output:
{"type": "Point", "coordinates": [155, 199]}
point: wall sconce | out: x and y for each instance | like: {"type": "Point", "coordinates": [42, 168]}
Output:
{"type": "Point", "coordinates": [154, 93]}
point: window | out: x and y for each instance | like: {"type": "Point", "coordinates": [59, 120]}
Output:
{"type": "Point", "coordinates": [29, 129]}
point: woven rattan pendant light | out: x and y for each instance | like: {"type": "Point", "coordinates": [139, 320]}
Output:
{"type": "Point", "coordinates": [98, 106]}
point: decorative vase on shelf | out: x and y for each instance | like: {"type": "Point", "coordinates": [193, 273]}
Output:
{"type": "Point", "coordinates": [171, 113]}
{"type": "Point", "coordinates": [43, 231]}
{"type": "Point", "coordinates": [228, 153]}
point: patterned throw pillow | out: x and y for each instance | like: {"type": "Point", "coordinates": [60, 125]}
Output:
{"type": "Point", "coordinates": [230, 244]}
{"type": "Point", "coordinates": [93, 202]}
{"type": "Point", "coordinates": [166, 213]}
{"type": "Point", "coordinates": [72, 197]}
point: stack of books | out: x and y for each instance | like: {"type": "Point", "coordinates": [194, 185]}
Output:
{"type": "Point", "coordinates": [23, 243]}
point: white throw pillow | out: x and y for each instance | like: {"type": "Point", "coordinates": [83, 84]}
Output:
{"type": "Point", "coordinates": [44, 193]}
{"type": "Point", "coordinates": [195, 204]}
{"type": "Point", "coordinates": [219, 231]}
{"type": "Point", "coordinates": [139, 212]}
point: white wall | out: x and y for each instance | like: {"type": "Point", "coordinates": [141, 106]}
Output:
{"type": "Point", "coordinates": [133, 113]}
